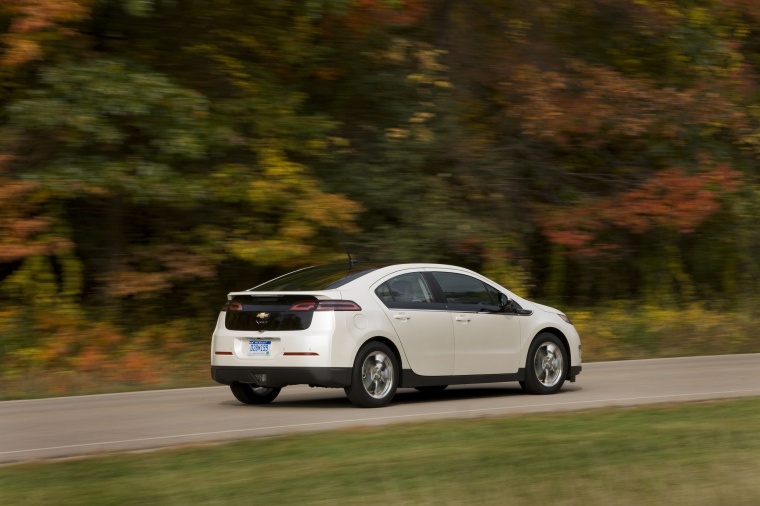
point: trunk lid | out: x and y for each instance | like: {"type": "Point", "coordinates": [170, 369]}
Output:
{"type": "Point", "coordinates": [266, 311]}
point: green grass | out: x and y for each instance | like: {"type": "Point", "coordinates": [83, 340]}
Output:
{"type": "Point", "coordinates": [695, 454]}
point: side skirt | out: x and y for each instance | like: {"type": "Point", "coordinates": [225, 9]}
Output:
{"type": "Point", "coordinates": [409, 379]}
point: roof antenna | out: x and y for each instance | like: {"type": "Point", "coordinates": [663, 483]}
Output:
{"type": "Point", "coordinates": [351, 261]}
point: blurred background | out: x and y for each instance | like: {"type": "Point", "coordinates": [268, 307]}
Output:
{"type": "Point", "coordinates": [596, 155]}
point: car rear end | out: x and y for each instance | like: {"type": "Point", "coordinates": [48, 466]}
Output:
{"type": "Point", "coordinates": [280, 338]}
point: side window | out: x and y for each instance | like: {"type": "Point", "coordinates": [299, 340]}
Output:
{"type": "Point", "coordinates": [404, 289]}
{"type": "Point", "coordinates": [462, 289]}
{"type": "Point", "coordinates": [494, 293]}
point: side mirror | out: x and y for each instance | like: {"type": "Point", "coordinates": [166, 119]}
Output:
{"type": "Point", "coordinates": [505, 303]}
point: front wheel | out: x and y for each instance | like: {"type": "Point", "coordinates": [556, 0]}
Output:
{"type": "Point", "coordinates": [254, 394]}
{"type": "Point", "coordinates": [374, 378]}
{"type": "Point", "coordinates": [546, 365]}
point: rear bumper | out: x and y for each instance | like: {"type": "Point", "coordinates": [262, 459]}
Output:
{"type": "Point", "coordinates": [336, 377]}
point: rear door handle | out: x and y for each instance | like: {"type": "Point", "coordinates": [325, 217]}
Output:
{"type": "Point", "coordinates": [401, 316]}
{"type": "Point", "coordinates": [463, 318]}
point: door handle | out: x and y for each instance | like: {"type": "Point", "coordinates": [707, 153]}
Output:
{"type": "Point", "coordinates": [463, 318]}
{"type": "Point", "coordinates": [401, 316]}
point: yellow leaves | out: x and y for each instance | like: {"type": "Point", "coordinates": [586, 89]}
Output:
{"type": "Point", "coordinates": [397, 133]}
{"type": "Point", "coordinates": [284, 210]}
{"type": "Point", "coordinates": [340, 142]}
{"type": "Point", "coordinates": [33, 279]}
{"type": "Point", "coordinates": [503, 267]}
{"type": "Point", "coordinates": [699, 16]}
{"type": "Point", "coordinates": [618, 330]}
{"type": "Point", "coordinates": [421, 117]}
{"type": "Point", "coordinates": [517, 30]}
{"type": "Point", "coordinates": [262, 251]}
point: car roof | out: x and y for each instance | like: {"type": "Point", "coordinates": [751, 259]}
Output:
{"type": "Point", "coordinates": [342, 275]}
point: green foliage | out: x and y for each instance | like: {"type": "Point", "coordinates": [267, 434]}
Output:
{"type": "Point", "coordinates": [105, 126]}
{"type": "Point", "coordinates": [156, 154]}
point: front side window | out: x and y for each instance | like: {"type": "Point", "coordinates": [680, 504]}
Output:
{"type": "Point", "coordinates": [406, 288]}
{"type": "Point", "coordinates": [463, 289]}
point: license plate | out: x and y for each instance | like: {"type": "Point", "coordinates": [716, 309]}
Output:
{"type": "Point", "coordinates": [259, 348]}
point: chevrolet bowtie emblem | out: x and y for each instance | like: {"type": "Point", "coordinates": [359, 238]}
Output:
{"type": "Point", "coordinates": [262, 316]}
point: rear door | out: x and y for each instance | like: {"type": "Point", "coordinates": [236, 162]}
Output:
{"type": "Point", "coordinates": [422, 323]}
{"type": "Point", "coordinates": [487, 341]}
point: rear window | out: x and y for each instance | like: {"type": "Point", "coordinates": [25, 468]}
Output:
{"type": "Point", "coordinates": [321, 277]}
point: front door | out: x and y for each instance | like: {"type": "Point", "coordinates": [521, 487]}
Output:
{"type": "Point", "coordinates": [487, 341]}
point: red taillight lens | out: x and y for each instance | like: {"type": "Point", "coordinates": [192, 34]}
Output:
{"type": "Point", "coordinates": [338, 305]}
{"type": "Point", "coordinates": [303, 306]}
{"type": "Point", "coordinates": [326, 305]}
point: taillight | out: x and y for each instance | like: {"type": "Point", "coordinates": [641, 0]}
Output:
{"type": "Point", "coordinates": [326, 305]}
{"type": "Point", "coordinates": [307, 305]}
{"type": "Point", "coordinates": [338, 305]}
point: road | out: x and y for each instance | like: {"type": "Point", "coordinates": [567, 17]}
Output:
{"type": "Point", "coordinates": [137, 421]}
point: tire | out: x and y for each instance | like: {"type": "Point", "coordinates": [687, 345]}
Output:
{"type": "Point", "coordinates": [432, 389]}
{"type": "Point", "coordinates": [374, 378]}
{"type": "Point", "coordinates": [254, 394]}
{"type": "Point", "coordinates": [546, 366]}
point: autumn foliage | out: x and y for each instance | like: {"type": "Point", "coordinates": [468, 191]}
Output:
{"type": "Point", "coordinates": [156, 155]}
{"type": "Point", "coordinates": [672, 200]}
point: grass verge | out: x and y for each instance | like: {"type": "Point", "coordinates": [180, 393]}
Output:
{"type": "Point", "coordinates": [695, 454]}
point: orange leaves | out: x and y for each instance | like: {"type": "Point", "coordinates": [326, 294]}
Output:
{"type": "Point", "coordinates": [671, 199]}
{"type": "Point", "coordinates": [35, 21]}
{"type": "Point", "coordinates": [366, 14]}
{"type": "Point", "coordinates": [607, 127]}
{"type": "Point", "coordinates": [73, 353]}
{"type": "Point", "coordinates": [24, 228]}
{"type": "Point", "coordinates": [595, 106]}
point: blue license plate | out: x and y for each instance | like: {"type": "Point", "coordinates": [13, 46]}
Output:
{"type": "Point", "coordinates": [259, 348]}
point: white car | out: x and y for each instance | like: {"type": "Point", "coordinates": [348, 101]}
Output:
{"type": "Point", "coordinates": [370, 329]}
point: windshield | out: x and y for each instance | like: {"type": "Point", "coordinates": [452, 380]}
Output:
{"type": "Point", "coordinates": [321, 277]}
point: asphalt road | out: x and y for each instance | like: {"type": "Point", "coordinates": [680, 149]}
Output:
{"type": "Point", "coordinates": [137, 421]}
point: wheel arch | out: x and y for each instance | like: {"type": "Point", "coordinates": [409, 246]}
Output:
{"type": "Point", "coordinates": [389, 343]}
{"type": "Point", "coordinates": [563, 339]}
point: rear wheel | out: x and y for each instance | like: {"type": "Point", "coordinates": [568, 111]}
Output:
{"type": "Point", "coordinates": [375, 376]}
{"type": "Point", "coordinates": [546, 366]}
{"type": "Point", "coordinates": [254, 394]}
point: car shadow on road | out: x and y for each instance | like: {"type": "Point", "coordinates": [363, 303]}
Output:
{"type": "Point", "coordinates": [336, 399]}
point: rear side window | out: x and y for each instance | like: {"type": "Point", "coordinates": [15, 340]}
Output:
{"type": "Point", "coordinates": [463, 289]}
{"type": "Point", "coordinates": [405, 288]}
